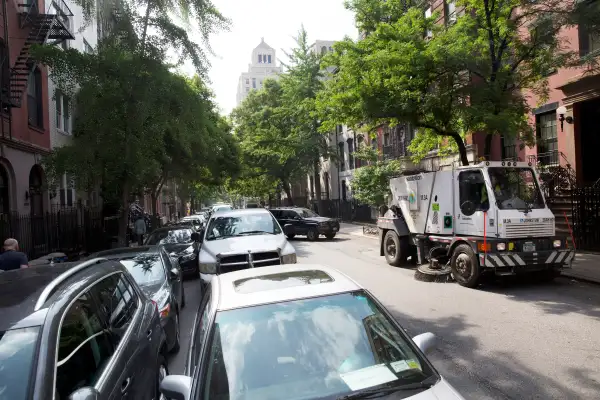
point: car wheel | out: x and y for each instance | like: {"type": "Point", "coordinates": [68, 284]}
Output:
{"type": "Point", "coordinates": [161, 372]}
{"type": "Point", "coordinates": [330, 235]}
{"type": "Point", "coordinates": [312, 235]}
{"type": "Point", "coordinates": [291, 236]}
{"type": "Point", "coordinates": [465, 267]}
{"type": "Point", "coordinates": [177, 344]}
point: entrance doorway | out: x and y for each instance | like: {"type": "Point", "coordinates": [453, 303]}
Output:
{"type": "Point", "coordinates": [36, 198]}
{"type": "Point", "coordinates": [589, 115]}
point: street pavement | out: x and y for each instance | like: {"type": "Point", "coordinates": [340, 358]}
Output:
{"type": "Point", "coordinates": [507, 340]}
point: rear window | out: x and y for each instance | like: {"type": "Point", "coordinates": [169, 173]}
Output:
{"type": "Point", "coordinates": [17, 350]}
{"type": "Point", "coordinates": [147, 269]}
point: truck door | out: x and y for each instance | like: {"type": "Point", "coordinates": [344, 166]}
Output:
{"type": "Point", "coordinates": [470, 203]}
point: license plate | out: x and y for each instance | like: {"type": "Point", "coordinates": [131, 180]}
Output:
{"type": "Point", "coordinates": [528, 246]}
{"type": "Point", "coordinates": [335, 229]}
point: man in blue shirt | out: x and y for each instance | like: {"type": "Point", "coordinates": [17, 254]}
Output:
{"type": "Point", "coordinates": [12, 258]}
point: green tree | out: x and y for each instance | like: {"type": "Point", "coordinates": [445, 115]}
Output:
{"type": "Point", "coordinates": [371, 182]}
{"type": "Point", "coordinates": [460, 78]}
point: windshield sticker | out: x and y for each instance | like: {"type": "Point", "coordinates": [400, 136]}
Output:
{"type": "Point", "coordinates": [399, 366]}
{"type": "Point", "coordinates": [412, 364]}
{"type": "Point", "coordinates": [368, 377]}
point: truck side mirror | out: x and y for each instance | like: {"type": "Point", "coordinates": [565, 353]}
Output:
{"type": "Point", "coordinates": [467, 208]}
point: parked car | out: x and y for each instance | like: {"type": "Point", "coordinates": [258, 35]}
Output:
{"type": "Point", "coordinates": [179, 243]}
{"type": "Point", "coordinates": [306, 222]}
{"type": "Point", "coordinates": [241, 239]}
{"type": "Point", "coordinates": [159, 279]}
{"type": "Point", "coordinates": [303, 332]}
{"type": "Point", "coordinates": [220, 207]}
{"type": "Point", "coordinates": [78, 331]}
{"type": "Point", "coordinates": [197, 221]}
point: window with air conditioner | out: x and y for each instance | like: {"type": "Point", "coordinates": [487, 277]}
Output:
{"type": "Point", "coordinates": [428, 14]}
{"type": "Point", "coordinates": [451, 14]}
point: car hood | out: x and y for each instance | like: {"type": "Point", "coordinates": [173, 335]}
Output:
{"type": "Point", "coordinates": [244, 244]}
{"type": "Point", "coordinates": [440, 391]}
{"type": "Point", "coordinates": [319, 219]}
{"type": "Point", "coordinates": [179, 247]}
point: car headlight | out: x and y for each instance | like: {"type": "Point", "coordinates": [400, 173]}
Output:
{"type": "Point", "coordinates": [188, 257]}
{"type": "Point", "coordinates": [556, 243]}
{"type": "Point", "coordinates": [288, 258]}
{"type": "Point", "coordinates": [208, 268]}
{"type": "Point", "coordinates": [501, 246]}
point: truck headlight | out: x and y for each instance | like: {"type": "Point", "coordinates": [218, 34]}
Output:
{"type": "Point", "coordinates": [288, 258]}
{"type": "Point", "coordinates": [208, 268]}
{"type": "Point", "coordinates": [501, 246]}
{"type": "Point", "coordinates": [556, 244]}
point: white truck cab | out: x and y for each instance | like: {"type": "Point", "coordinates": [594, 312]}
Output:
{"type": "Point", "coordinates": [488, 217]}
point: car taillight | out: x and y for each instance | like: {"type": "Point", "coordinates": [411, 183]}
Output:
{"type": "Point", "coordinates": [165, 311]}
{"type": "Point", "coordinates": [155, 306]}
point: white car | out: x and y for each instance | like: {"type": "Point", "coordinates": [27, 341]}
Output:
{"type": "Point", "coordinates": [302, 332]}
{"type": "Point", "coordinates": [241, 239]}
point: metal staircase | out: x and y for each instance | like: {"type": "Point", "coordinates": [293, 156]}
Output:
{"type": "Point", "coordinates": [50, 27]}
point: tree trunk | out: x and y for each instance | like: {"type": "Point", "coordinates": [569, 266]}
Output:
{"type": "Point", "coordinates": [487, 151]}
{"type": "Point", "coordinates": [288, 192]}
{"type": "Point", "coordinates": [462, 149]}
{"type": "Point", "coordinates": [124, 218]}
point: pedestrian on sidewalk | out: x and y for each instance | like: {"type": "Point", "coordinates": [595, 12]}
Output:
{"type": "Point", "coordinates": [140, 229]}
{"type": "Point", "coordinates": [12, 258]}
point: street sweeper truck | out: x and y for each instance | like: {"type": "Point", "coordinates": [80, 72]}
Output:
{"type": "Point", "coordinates": [490, 217]}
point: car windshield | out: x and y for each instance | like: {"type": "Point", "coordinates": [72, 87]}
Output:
{"type": "Point", "coordinates": [306, 213]}
{"type": "Point", "coordinates": [241, 225]}
{"type": "Point", "coordinates": [315, 348]}
{"type": "Point", "coordinates": [223, 208]}
{"type": "Point", "coordinates": [17, 351]}
{"type": "Point", "coordinates": [147, 269]}
{"type": "Point", "coordinates": [175, 236]}
{"type": "Point", "coordinates": [515, 188]}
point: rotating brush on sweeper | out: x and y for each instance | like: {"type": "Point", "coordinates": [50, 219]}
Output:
{"type": "Point", "coordinates": [438, 270]}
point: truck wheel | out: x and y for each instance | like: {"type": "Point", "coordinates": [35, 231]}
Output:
{"type": "Point", "coordinates": [394, 249]}
{"type": "Point", "coordinates": [465, 267]}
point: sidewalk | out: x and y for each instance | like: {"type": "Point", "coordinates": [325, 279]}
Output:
{"type": "Point", "coordinates": [586, 266]}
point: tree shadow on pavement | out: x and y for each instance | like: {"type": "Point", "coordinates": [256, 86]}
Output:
{"type": "Point", "coordinates": [493, 375]}
{"type": "Point", "coordinates": [560, 297]}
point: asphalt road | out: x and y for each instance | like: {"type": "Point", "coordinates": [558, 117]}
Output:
{"type": "Point", "coordinates": [511, 340]}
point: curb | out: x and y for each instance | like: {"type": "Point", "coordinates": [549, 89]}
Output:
{"type": "Point", "coordinates": [580, 278]}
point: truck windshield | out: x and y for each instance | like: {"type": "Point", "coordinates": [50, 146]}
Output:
{"type": "Point", "coordinates": [515, 188]}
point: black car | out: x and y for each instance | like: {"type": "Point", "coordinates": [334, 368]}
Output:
{"type": "Point", "coordinates": [78, 330]}
{"type": "Point", "coordinates": [179, 244]}
{"type": "Point", "coordinates": [306, 222]}
{"type": "Point", "coordinates": [159, 279]}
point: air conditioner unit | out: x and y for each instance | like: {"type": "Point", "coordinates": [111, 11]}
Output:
{"type": "Point", "coordinates": [452, 19]}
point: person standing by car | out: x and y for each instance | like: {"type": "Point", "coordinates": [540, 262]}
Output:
{"type": "Point", "coordinates": [12, 258]}
{"type": "Point", "coordinates": [140, 229]}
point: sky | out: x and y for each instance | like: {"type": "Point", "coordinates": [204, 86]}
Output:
{"type": "Point", "coordinates": [278, 21]}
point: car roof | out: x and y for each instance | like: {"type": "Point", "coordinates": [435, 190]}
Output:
{"type": "Point", "coordinates": [240, 211]}
{"type": "Point", "coordinates": [279, 283]}
{"type": "Point", "coordinates": [125, 251]}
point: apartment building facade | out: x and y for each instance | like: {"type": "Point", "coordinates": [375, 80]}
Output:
{"type": "Point", "coordinates": [25, 127]}
{"type": "Point", "coordinates": [263, 65]}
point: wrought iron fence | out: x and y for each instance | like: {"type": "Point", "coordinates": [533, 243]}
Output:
{"type": "Point", "coordinates": [346, 210]}
{"type": "Point", "coordinates": [586, 218]}
{"type": "Point", "coordinates": [69, 231]}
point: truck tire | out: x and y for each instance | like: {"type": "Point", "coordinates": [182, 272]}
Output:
{"type": "Point", "coordinates": [395, 249]}
{"type": "Point", "coordinates": [465, 266]}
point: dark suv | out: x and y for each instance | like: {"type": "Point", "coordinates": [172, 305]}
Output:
{"type": "Point", "coordinates": [306, 222]}
{"type": "Point", "coordinates": [83, 330]}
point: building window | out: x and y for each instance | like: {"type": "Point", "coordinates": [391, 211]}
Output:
{"type": "Point", "coordinates": [247, 81]}
{"type": "Point", "coordinates": [386, 136]}
{"type": "Point", "coordinates": [588, 43]}
{"type": "Point", "coordinates": [326, 182]}
{"type": "Point", "coordinates": [323, 49]}
{"type": "Point", "coordinates": [269, 59]}
{"type": "Point", "coordinates": [450, 12]}
{"type": "Point", "coordinates": [247, 89]}
{"type": "Point", "coordinates": [350, 154]}
{"type": "Point", "coordinates": [34, 99]}
{"type": "Point", "coordinates": [359, 145]}
{"type": "Point", "coordinates": [87, 48]}
{"type": "Point", "coordinates": [331, 49]}
{"type": "Point", "coordinates": [260, 58]}
{"type": "Point", "coordinates": [428, 14]}
{"type": "Point", "coordinates": [509, 148]}
{"type": "Point", "coordinates": [4, 71]}
{"type": "Point", "coordinates": [63, 117]}
{"type": "Point", "coordinates": [341, 155]}
{"type": "Point", "coordinates": [254, 83]}
{"type": "Point", "coordinates": [547, 138]}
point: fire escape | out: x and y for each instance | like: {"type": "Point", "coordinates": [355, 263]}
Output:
{"type": "Point", "coordinates": [49, 27]}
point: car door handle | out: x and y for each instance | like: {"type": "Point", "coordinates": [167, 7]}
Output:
{"type": "Point", "coordinates": [125, 385]}
{"type": "Point", "coordinates": [149, 334]}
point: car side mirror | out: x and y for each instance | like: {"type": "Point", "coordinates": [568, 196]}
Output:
{"type": "Point", "coordinates": [289, 230]}
{"type": "Point", "coordinates": [197, 236]}
{"type": "Point", "coordinates": [174, 273]}
{"type": "Point", "coordinates": [176, 387]}
{"type": "Point", "coordinates": [425, 342]}
{"type": "Point", "coordinates": [85, 393]}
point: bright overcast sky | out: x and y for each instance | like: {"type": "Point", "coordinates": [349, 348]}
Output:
{"type": "Point", "coordinates": [278, 21]}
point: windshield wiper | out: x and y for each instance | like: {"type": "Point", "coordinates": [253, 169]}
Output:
{"type": "Point", "coordinates": [371, 393]}
{"type": "Point", "coordinates": [253, 233]}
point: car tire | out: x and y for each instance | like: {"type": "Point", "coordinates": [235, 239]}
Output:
{"type": "Point", "coordinates": [291, 236]}
{"type": "Point", "coordinates": [330, 236]}
{"type": "Point", "coordinates": [161, 372]}
{"type": "Point", "coordinates": [177, 344]}
{"type": "Point", "coordinates": [465, 266]}
{"type": "Point", "coordinates": [312, 235]}
{"type": "Point", "coordinates": [394, 249]}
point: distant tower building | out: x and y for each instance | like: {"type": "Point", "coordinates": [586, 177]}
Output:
{"type": "Point", "coordinates": [262, 66]}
